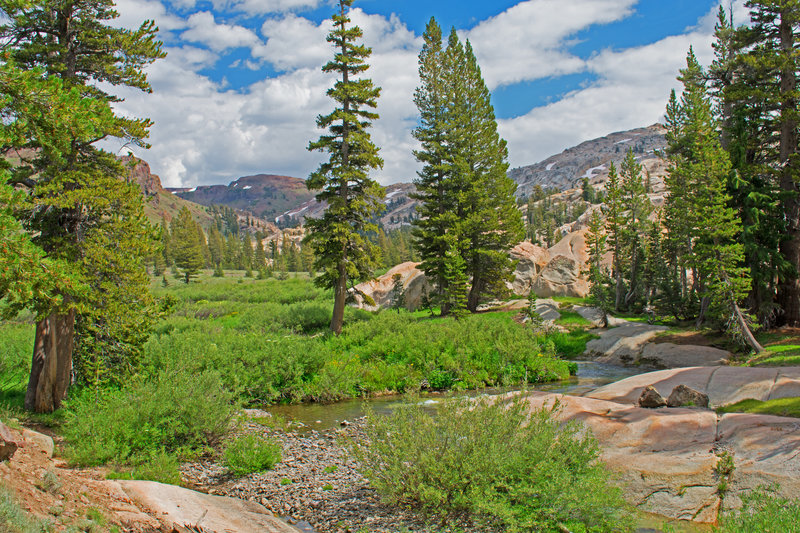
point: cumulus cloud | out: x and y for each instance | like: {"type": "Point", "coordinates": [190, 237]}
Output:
{"type": "Point", "coordinates": [218, 36]}
{"type": "Point", "coordinates": [631, 91]}
{"type": "Point", "coordinates": [530, 40]}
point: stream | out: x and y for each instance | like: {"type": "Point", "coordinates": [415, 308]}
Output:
{"type": "Point", "coordinates": [320, 417]}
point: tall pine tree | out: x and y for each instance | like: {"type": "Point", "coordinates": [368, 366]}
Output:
{"type": "Point", "coordinates": [338, 239]}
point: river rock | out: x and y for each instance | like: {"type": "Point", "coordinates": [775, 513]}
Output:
{"type": "Point", "coordinates": [188, 508]}
{"type": "Point", "coordinates": [669, 355]}
{"type": "Point", "coordinates": [683, 396]}
{"type": "Point", "coordinates": [623, 344]}
{"type": "Point", "coordinates": [40, 440]}
{"type": "Point", "coordinates": [723, 384]}
{"type": "Point", "coordinates": [651, 399]}
{"type": "Point", "coordinates": [8, 445]}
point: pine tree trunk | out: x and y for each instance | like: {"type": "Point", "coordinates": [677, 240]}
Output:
{"type": "Point", "coordinates": [51, 366]}
{"type": "Point", "coordinates": [789, 283]}
{"type": "Point", "coordinates": [475, 294]}
{"type": "Point", "coordinates": [339, 299]}
{"type": "Point", "coordinates": [746, 333]}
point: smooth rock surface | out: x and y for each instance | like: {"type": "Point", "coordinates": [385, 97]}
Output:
{"type": "Point", "coordinates": [623, 344]}
{"type": "Point", "coordinates": [669, 355]}
{"type": "Point", "coordinates": [213, 513]}
{"type": "Point", "coordinates": [723, 384]}
{"type": "Point", "coordinates": [666, 457]}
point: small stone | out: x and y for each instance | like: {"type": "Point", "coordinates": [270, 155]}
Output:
{"type": "Point", "coordinates": [8, 446]}
{"type": "Point", "coordinates": [651, 398]}
{"type": "Point", "coordinates": [683, 396]}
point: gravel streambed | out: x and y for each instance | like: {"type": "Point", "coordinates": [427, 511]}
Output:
{"type": "Point", "coordinates": [316, 486]}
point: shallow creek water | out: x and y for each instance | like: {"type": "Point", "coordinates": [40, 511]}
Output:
{"type": "Point", "coordinates": [325, 416]}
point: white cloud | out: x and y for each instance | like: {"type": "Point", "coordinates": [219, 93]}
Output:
{"type": "Point", "coordinates": [529, 40]}
{"type": "Point", "coordinates": [218, 36]}
{"type": "Point", "coordinates": [133, 12]}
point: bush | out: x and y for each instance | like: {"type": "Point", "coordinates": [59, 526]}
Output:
{"type": "Point", "coordinates": [175, 411]}
{"type": "Point", "coordinates": [160, 466]}
{"type": "Point", "coordinates": [504, 466]}
{"type": "Point", "coordinates": [251, 453]}
{"type": "Point", "coordinates": [764, 511]}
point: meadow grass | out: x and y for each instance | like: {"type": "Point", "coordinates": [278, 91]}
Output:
{"type": "Point", "coordinates": [778, 407]}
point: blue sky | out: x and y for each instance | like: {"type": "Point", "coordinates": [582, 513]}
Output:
{"type": "Point", "coordinates": [241, 85]}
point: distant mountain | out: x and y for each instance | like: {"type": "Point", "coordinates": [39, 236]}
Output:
{"type": "Point", "coordinates": [589, 159]}
{"type": "Point", "coordinates": [286, 201]}
{"type": "Point", "coordinates": [264, 195]}
{"type": "Point", "coordinates": [400, 208]}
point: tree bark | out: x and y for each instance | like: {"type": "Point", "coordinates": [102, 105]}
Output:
{"type": "Point", "coordinates": [339, 299]}
{"type": "Point", "coordinates": [475, 294]}
{"type": "Point", "coordinates": [51, 366]}
{"type": "Point", "coordinates": [746, 333]}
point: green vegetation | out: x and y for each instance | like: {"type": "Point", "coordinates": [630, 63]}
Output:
{"type": "Point", "coordinates": [779, 407]}
{"type": "Point", "coordinates": [266, 339]}
{"type": "Point", "coordinates": [502, 464]}
{"type": "Point", "coordinates": [780, 349]}
{"type": "Point", "coordinates": [176, 411]}
{"type": "Point", "coordinates": [764, 511]}
{"type": "Point", "coordinates": [251, 453]}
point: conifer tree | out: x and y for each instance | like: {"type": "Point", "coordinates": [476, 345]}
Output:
{"type": "Point", "coordinates": [702, 167]}
{"type": "Point", "coordinates": [80, 201]}
{"type": "Point", "coordinates": [186, 246]}
{"type": "Point", "coordinates": [463, 187]}
{"type": "Point", "coordinates": [614, 214]}
{"type": "Point", "coordinates": [216, 247]}
{"type": "Point", "coordinates": [354, 199]}
{"type": "Point", "coordinates": [433, 188]}
{"type": "Point", "coordinates": [638, 208]}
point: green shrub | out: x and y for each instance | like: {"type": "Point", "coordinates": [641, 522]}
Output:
{"type": "Point", "coordinates": [250, 454]}
{"type": "Point", "coordinates": [500, 463]}
{"type": "Point", "coordinates": [160, 466]}
{"type": "Point", "coordinates": [174, 411]}
{"type": "Point", "coordinates": [763, 511]}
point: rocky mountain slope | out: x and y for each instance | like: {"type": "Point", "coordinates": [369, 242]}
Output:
{"type": "Point", "coordinates": [589, 159]}
{"type": "Point", "coordinates": [264, 195]}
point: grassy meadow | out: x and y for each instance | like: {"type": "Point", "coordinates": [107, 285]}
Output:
{"type": "Point", "coordinates": [236, 341]}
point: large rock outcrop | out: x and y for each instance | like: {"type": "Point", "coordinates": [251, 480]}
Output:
{"type": "Point", "coordinates": [666, 458]}
{"type": "Point", "coordinates": [415, 286]}
{"type": "Point", "coordinates": [138, 171]}
{"type": "Point", "coordinates": [557, 271]}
